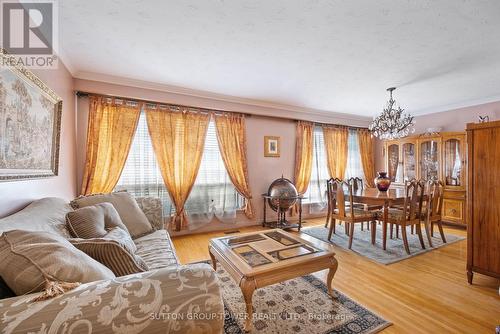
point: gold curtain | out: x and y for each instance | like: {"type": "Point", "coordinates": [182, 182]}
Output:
{"type": "Point", "coordinates": [231, 136]}
{"type": "Point", "coordinates": [110, 132]}
{"type": "Point", "coordinates": [303, 156]}
{"type": "Point", "coordinates": [336, 150]}
{"type": "Point", "coordinates": [178, 139]}
{"type": "Point", "coordinates": [367, 155]}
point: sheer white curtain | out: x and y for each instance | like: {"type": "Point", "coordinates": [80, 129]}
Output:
{"type": "Point", "coordinates": [316, 192]}
{"type": "Point", "coordinates": [141, 175]}
{"type": "Point", "coordinates": [354, 166]}
{"type": "Point", "coordinates": [213, 194]}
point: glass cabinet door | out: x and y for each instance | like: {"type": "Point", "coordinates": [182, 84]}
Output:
{"type": "Point", "coordinates": [429, 163]}
{"type": "Point", "coordinates": [393, 162]}
{"type": "Point", "coordinates": [409, 169]}
{"type": "Point", "coordinates": [453, 167]}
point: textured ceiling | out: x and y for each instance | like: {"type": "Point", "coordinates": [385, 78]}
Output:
{"type": "Point", "coordinates": [337, 56]}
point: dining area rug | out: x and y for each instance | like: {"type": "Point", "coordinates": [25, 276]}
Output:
{"type": "Point", "coordinates": [395, 250]}
{"type": "Point", "coordinates": [299, 305]}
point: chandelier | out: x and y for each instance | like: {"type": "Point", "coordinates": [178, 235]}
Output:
{"type": "Point", "coordinates": [393, 122]}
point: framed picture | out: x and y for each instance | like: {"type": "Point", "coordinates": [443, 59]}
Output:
{"type": "Point", "coordinates": [271, 146]}
{"type": "Point", "coordinates": [30, 125]}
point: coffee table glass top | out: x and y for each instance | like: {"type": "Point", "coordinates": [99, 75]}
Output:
{"type": "Point", "coordinates": [258, 249]}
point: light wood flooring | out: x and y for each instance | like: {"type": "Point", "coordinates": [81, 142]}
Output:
{"type": "Point", "coordinates": [427, 293]}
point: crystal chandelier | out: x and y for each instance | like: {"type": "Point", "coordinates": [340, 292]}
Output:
{"type": "Point", "coordinates": [393, 122]}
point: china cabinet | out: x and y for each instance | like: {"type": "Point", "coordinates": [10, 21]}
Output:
{"type": "Point", "coordinates": [437, 156]}
{"type": "Point", "coordinates": [483, 196]}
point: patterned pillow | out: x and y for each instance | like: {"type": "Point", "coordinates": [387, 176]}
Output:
{"type": "Point", "coordinates": [33, 260]}
{"type": "Point", "coordinates": [132, 216]}
{"type": "Point", "coordinates": [115, 250]}
{"type": "Point", "coordinates": [93, 221]}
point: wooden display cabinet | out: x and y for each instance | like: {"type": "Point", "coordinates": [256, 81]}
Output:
{"type": "Point", "coordinates": [440, 156]}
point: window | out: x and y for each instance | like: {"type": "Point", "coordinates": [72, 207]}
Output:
{"type": "Point", "coordinates": [212, 194]}
{"type": "Point", "coordinates": [354, 167]}
{"type": "Point", "coordinates": [316, 191]}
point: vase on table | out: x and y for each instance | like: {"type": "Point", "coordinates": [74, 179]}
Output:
{"type": "Point", "coordinates": [382, 181]}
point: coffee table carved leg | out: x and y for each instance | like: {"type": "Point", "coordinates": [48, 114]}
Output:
{"type": "Point", "coordinates": [329, 278]}
{"type": "Point", "coordinates": [247, 288]}
{"type": "Point", "coordinates": [214, 261]}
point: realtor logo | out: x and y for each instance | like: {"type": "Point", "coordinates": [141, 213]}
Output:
{"type": "Point", "coordinates": [29, 32]}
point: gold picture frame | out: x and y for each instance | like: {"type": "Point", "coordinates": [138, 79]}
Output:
{"type": "Point", "coordinates": [30, 124]}
{"type": "Point", "coordinates": [272, 146]}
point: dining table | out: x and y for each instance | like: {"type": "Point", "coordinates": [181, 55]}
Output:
{"type": "Point", "coordinates": [386, 199]}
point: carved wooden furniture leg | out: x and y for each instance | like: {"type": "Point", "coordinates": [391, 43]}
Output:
{"type": "Point", "coordinates": [327, 216]}
{"type": "Point", "coordinates": [405, 239]}
{"type": "Point", "coordinates": [247, 288]}
{"type": "Point", "coordinates": [384, 226]}
{"type": "Point", "coordinates": [331, 230]}
{"type": "Point", "coordinates": [362, 225]}
{"type": "Point", "coordinates": [212, 257]}
{"type": "Point", "coordinates": [329, 278]}
{"type": "Point", "coordinates": [391, 228]}
{"type": "Point", "coordinates": [397, 231]}
{"type": "Point", "coordinates": [440, 226]}
{"type": "Point", "coordinates": [427, 226]}
{"type": "Point", "coordinates": [346, 227]}
{"type": "Point", "coordinates": [373, 231]}
{"type": "Point", "coordinates": [469, 276]}
{"type": "Point", "coordinates": [351, 234]}
{"type": "Point", "coordinates": [420, 237]}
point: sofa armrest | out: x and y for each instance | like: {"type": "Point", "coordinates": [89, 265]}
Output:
{"type": "Point", "coordinates": [185, 299]}
{"type": "Point", "coordinates": [153, 209]}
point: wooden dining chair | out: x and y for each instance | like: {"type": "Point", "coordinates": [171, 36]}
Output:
{"type": "Point", "coordinates": [329, 194]}
{"type": "Point", "coordinates": [410, 213]}
{"type": "Point", "coordinates": [343, 209]}
{"type": "Point", "coordinates": [357, 185]}
{"type": "Point", "coordinates": [432, 212]}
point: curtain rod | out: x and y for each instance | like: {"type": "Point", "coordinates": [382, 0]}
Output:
{"type": "Point", "coordinates": [350, 127]}
{"type": "Point", "coordinates": [84, 94]}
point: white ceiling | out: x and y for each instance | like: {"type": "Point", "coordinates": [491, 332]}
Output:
{"type": "Point", "coordinates": [337, 56]}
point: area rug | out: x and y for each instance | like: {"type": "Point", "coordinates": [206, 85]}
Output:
{"type": "Point", "coordinates": [300, 305]}
{"type": "Point", "coordinates": [394, 252]}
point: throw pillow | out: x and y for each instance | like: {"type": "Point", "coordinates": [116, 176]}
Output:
{"type": "Point", "coordinates": [115, 250]}
{"type": "Point", "coordinates": [132, 216]}
{"type": "Point", "coordinates": [34, 261]}
{"type": "Point", "coordinates": [93, 221]}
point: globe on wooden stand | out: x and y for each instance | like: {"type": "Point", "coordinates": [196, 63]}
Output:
{"type": "Point", "coordinates": [281, 196]}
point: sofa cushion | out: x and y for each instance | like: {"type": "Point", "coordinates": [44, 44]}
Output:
{"type": "Point", "coordinates": [94, 221]}
{"type": "Point", "coordinates": [153, 209]}
{"type": "Point", "coordinates": [132, 216]}
{"type": "Point", "coordinates": [31, 259]}
{"type": "Point", "coordinates": [156, 250]}
{"type": "Point", "coordinates": [115, 250]}
{"type": "Point", "coordinates": [46, 215]}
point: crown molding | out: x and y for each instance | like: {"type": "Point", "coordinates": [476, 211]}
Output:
{"type": "Point", "coordinates": [455, 106]}
{"type": "Point", "coordinates": [63, 57]}
{"type": "Point", "coordinates": [92, 76]}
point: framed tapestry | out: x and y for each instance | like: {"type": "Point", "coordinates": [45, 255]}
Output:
{"type": "Point", "coordinates": [30, 125]}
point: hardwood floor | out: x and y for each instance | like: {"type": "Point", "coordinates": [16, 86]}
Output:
{"type": "Point", "coordinates": [428, 293]}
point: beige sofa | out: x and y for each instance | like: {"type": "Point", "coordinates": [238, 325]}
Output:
{"type": "Point", "coordinates": [170, 298]}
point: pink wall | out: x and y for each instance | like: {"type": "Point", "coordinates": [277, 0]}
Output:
{"type": "Point", "coordinates": [262, 170]}
{"type": "Point", "coordinates": [15, 195]}
{"type": "Point", "coordinates": [451, 120]}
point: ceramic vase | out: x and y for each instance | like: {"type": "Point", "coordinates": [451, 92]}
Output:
{"type": "Point", "coordinates": [382, 181]}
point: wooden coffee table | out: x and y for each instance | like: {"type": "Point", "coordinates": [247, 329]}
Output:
{"type": "Point", "coordinates": [258, 259]}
